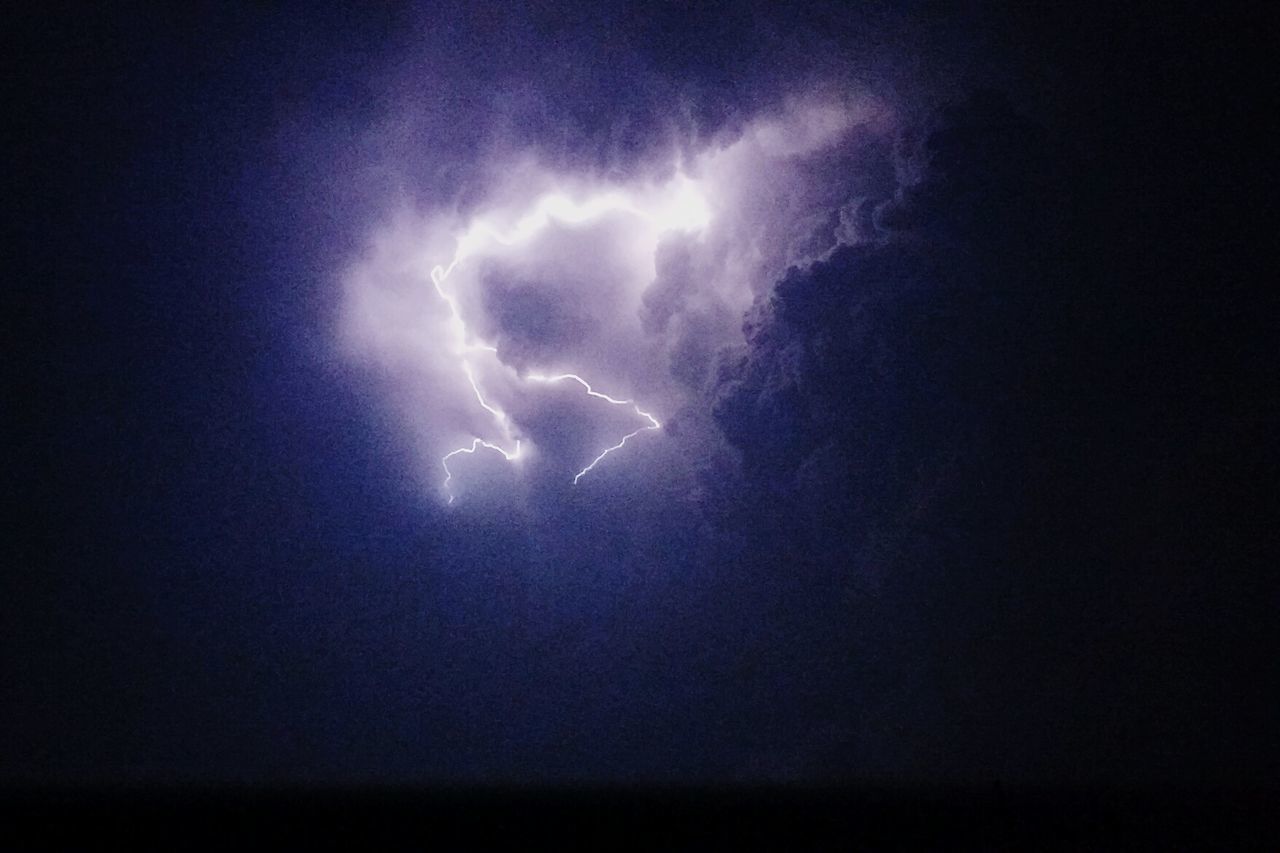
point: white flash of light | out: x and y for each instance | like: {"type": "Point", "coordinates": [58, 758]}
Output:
{"type": "Point", "coordinates": [686, 209]}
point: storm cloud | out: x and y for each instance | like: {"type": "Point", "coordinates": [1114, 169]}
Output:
{"type": "Point", "coordinates": [633, 286]}
{"type": "Point", "coordinates": [955, 383]}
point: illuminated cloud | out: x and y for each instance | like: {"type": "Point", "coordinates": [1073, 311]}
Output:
{"type": "Point", "coordinates": [623, 291]}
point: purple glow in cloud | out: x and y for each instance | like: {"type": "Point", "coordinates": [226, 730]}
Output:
{"type": "Point", "coordinates": [561, 280]}
{"type": "Point", "coordinates": [683, 208]}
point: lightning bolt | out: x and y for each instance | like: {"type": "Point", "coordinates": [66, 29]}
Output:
{"type": "Point", "coordinates": [653, 422]}
{"type": "Point", "coordinates": [688, 210]}
{"type": "Point", "coordinates": [476, 443]}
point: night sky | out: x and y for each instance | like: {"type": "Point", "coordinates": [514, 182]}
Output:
{"type": "Point", "coordinates": [950, 335]}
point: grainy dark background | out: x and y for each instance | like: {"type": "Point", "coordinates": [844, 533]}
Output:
{"type": "Point", "coordinates": [1042, 556]}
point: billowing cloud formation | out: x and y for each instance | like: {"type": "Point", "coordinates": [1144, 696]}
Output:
{"type": "Point", "coordinates": [562, 316]}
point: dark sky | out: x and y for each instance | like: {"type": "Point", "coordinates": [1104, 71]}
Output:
{"type": "Point", "coordinates": [986, 506]}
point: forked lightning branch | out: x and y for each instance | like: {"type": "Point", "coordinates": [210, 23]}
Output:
{"type": "Point", "coordinates": [684, 210]}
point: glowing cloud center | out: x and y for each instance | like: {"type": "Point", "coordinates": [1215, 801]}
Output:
{"type": "Point", "coordinates": [681, 208]}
